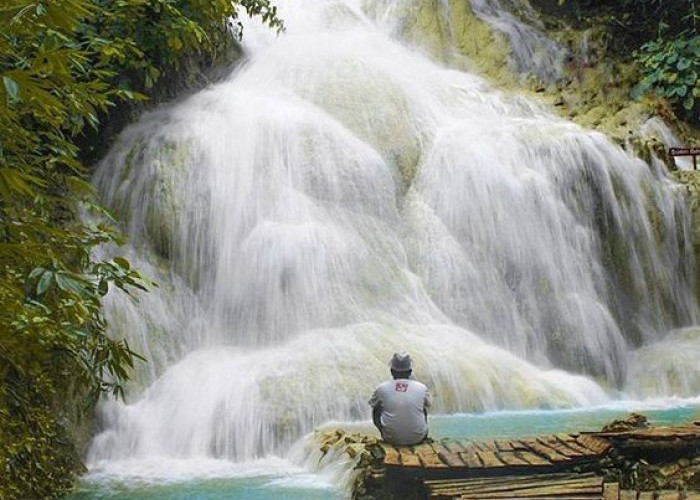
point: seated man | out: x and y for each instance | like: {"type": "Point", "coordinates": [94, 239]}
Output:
{"type": "Point", "coordinates": [399, 406]}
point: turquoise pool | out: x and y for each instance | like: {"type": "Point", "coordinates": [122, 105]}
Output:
{"type": "Point", "coordinates": [277, 479]}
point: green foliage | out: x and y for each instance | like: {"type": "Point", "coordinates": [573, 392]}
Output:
{"type": "Point", "coordinates": [670, 69]}
{"type": "Point", "coordinates": [63, 64]}
{"type": "Point", "coordinates": [662, 37]}
{"type": "Point", "coordinates": [38, 459]}
{"type": "Point", "coordinates": [142, 37]}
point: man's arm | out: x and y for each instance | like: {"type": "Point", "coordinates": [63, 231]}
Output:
{"type": "Point", "coordinates": [427, 403]}
{"type": "Point", "coordinates": [374, 400]}
{"type": "Point", "coordinates": [377, 417]}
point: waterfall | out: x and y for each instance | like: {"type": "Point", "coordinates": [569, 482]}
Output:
{"type": "Point", "coordinates": [532, 51]}
{"type": "Point", "coordinates": [342, 196]}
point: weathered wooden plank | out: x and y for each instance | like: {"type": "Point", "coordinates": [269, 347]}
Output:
{"type": "Point", "coordinates": [503, 445]}
{"type": "Point", "coordinates": [689, 495]}
{"type": "Point", "coordinates": [560, 447]}
{"type": "Point", "coordinates": [439, 447]}
{"type": "Point", "coordinates": [570, 441]}
{"type": "Point", "coordinates": [466, 443]}
{"type": "Point", "coordinates": [668, 495]}
{"type": "Point", "coordinates": [584, 496]}
{"type": "Point", "coordinates": [645, 495]}
{"type": "Point", "coordinates": [542, 491]}
{"type": "Point", "coordinates": [597, 445]}
{"type": "Point", "coordinates": [650, 444]}
{"type": "Point", "coordinates": [454, 446]}
{"type": "Point", "coordinates": [479, 445]}
{"type": "Point", "coordinates": [611, 491]}
{"type": "Point", "coordinates": [542, 494]}
{"type": "Point", "coordinates": [408, 458]}
{"type": "Point", "coordinates": [594, 484]}
{"type": "Point", "coordinates": [471, 458]}
{"type": "Point", "coordinates": [510, 458]}
{"type": "Point", "coordinates": [556, 476]}
{"type": "Point", "coordinates": [628, 495]}
{"type": "Point", "coordinates": [447, 457]}
{"type": "Point", "coordinates": [489, 445]}
{"type": "Point", "coordinates": [545, 451]}
{"type": "Point", "coordinates": [452, 460]}
{"type": "Point", "coordinates": [515, 485]}
{"type": "Point", "coordinates": [533, 459]}
{"type": "Point", "coordinates": [428, 458]}
{"type": "Point", "coordinates": [391, 455]}
{"type": "Point", "coordinates": [518, 445]}
{"type": "Point", "coordinates": [444, 496]}
{"type": "Point", "coordinates": [423, 449]}
{"type": "Point", "coordinates": [489, 458]}
{"type": "Point", "coordinates": [683, 432]}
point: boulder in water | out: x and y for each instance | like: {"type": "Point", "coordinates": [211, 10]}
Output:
{"type": "Point", "coordinates": [633, 421]}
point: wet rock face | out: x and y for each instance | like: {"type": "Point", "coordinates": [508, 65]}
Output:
{"type": "Point", "coordinates": [691, 181]}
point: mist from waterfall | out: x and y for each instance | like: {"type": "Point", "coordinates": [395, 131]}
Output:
{"type": "Point", "coordinates": [340, 197]}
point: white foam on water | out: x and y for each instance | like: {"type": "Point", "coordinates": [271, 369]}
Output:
{"type": "Point", "coordinates": [160, 470]}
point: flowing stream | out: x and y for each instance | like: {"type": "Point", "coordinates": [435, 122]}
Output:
{"type": "Point", "coordinates": [341, 196]}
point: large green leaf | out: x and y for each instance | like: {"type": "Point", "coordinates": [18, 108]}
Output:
{"type": "Point", "coordinates": [11, 88]}
{"type": "Point", "coordinates": [44, 283]}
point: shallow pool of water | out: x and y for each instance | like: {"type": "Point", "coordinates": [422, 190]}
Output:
{"type": "Point", "coordinates": [534, 423]}
{"type": "Point", "coordinates": [279, 479]}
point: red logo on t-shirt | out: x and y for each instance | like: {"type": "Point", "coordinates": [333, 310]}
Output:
{"type": "Point", "coordinates": [401, 386]}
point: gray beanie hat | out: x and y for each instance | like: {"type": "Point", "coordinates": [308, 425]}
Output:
{"type": "Point", "coordinates": [401, 362]}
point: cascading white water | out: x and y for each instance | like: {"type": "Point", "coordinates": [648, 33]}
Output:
{"type": "Point", "coordinates": [532, 51]}
{"type": "Point", "coordinates": [340, 197]}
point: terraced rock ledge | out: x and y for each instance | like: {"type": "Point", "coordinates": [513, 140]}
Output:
{"type": "Point", "coordinates": [622, 462]}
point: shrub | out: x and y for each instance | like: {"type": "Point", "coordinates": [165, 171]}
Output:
{"type": "Point", "coordinates": [670, 68]}
{"type": "Point", "coordinates": [63, 64]}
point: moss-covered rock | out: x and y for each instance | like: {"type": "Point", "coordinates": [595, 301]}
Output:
{"type": "Point", "coordinates": [690, 180]}
{"type": "Point", "coordinates": [598, 79]}
{"type": "Point", "coordinates": [450, 32]}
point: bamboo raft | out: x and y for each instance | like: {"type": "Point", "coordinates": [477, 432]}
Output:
{"type": "Point", "coordinates": [500, 457]}
{"type": "Point", "coordinates": [681, 438]}
{"type": "Point", "coordinates": [546, 467]}
{"type": "Point", "coordinates": [543, 486]}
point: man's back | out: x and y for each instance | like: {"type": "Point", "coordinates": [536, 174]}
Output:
{"type": "Point", "coordinates": [403, 417]}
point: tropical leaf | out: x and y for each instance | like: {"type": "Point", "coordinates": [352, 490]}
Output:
{"type": "Point", "coordinates": [44, 283]}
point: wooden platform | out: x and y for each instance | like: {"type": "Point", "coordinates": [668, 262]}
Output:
{"type": "Point", "coordinates": [667, 438]}
{"type": "Point", "coordinates": [546, 467]}
{"type": "Point", "coordinates": [684, 432]}
{"type": "Point", "coordinates": [464, 458]}
{"type": "Point", "coordinates": [541, 487]}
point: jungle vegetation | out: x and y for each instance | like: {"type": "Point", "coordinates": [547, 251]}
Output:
{"type": "Point", "coordinates": [64, 66]}
{"type": "Point", "coordinates": [663, 39]}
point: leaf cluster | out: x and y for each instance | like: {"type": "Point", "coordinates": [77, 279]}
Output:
{"type": "Point", "coordinates": [142, 38]}
{"type": "Point", "coordinates": [670, 68]}
{"type": "Point", "coordinates": [63, 66]}
{"type": "Point", "coordinates": [661, 37]}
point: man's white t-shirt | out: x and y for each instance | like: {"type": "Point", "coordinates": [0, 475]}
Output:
{"type": "Point", "coordinates": [403, 402]}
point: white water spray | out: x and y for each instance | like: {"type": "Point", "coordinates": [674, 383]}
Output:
{"type": "Point", "coordinates": [341, 197]}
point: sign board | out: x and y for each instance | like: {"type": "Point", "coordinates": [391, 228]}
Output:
{"type": "Point", "coordinates": [684, 151]}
